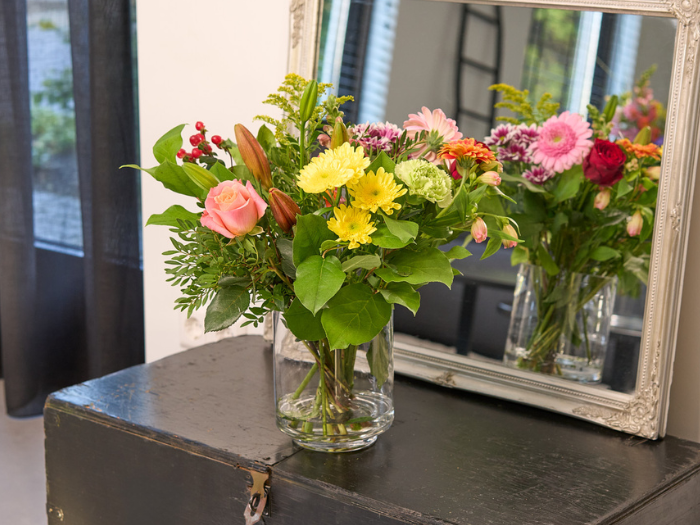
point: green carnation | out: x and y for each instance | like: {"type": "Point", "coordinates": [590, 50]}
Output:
{"type": "Point", "coordinates": [426, 180]}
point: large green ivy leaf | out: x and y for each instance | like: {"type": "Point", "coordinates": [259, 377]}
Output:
{"type": "Point", "coordinates": [405, 231]}
{"type": "Point", "coordinates": [568, 184]}
{"type": "Point", "coordinates": [318, 280]}
{"type": "Point", "coordinates": [221, 172]}
{"type": "Point", "coordinates": [311, 231]}
{"type": "Point", "coordinates": [170, 216]}
{"type": "Point", "coordinates": [457, 252]}
{"type": "Point", "coordinates": [403, 294]}
{"type": "Point", "coordinates": [302, 323]}
{"type": "Point", "coordinates": [228, 305]}
{"type": "Point", "coordinates": [424, 266]}
{"type": "Point", "coordinates": [354, 316]}
{"type": "Point", "coordinates": [385, 239]}
{"type": "Point", "coordinates": [173, 177]}
{"type": "Point", "coordinates": [168, 145]}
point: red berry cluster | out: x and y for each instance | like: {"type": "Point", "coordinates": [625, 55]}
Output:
{"type": "Point", "coordinates": [200, 144]}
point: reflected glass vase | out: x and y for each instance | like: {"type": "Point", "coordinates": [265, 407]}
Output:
{"type": "Point", "coordinates": [333, 400]}
{"type": "Point", "coordinates": [560, 325]}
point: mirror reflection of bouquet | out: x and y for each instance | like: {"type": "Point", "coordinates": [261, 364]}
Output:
{"type": "Point", "coordinates": [585, 204]}
{"type": "Point", "coordinates": [638, 109]}
{"type": "Point", "coordinates": [330, 226]}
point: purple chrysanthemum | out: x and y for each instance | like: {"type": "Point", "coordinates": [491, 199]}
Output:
{"type": "Point", "coordinates": [525, 135]}
{"type": "Point", "coordinates": [514, 153]}
{"type": "Point", "coordinates": [538, 174]}
{"type": "Point", "coordinates": [375, 137]}
{"type": "Point", "coordinates": [500, 136]}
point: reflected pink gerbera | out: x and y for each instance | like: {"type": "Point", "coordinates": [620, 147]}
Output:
{"type": "Point", "coordinates": [563, 142]}
{"type": "Point", "coordinates": [440, 130]}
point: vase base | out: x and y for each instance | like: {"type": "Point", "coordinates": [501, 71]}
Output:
{"type": "Point", "coordinates": [344, 446]}
{"type": "Point", "coordinates": [573, 368]}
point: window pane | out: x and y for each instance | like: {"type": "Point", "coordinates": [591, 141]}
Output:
{"type": "Point", "coordinates": [57, 217]}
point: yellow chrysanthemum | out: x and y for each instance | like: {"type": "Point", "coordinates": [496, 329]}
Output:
{"type": "Point", "coordinates": [354, 159]}
{"type": "Point", "coordinates": [352, 224]}
{"type": "Point", "coordinates": [376, 190]}
{"type": "Point", "coordinates": [332, 169]}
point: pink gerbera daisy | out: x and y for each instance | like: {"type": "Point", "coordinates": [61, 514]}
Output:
{"type": "Point", "coordinates": [440, 130]}
{"type": "Point", "coordinates": [563, 142]}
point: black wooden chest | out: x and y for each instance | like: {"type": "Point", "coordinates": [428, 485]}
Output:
{"type": "Point", "coordinates": [181, 441]}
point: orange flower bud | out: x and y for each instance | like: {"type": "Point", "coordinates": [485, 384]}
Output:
{"type": "Point", "coordinates": [253, 156]}
{"type": "Point", "coordinates": [479, 231]}
{"type": "Point", "coordinates": [284, 209]}
{"type": "Point", "coordinates": [602, 199]}
{"type": "Point", "coordinates": [507, 243]}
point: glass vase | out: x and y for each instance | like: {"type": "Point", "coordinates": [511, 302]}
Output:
{"type": "Point", "coordinates": [560, 324]}
{"type": "Point", "coordinates": [333, 400]}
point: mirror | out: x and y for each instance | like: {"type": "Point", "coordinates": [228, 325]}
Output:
{"type": "Point", "coordinates": [395, 57]}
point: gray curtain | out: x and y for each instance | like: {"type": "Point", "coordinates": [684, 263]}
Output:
{"type": "Point", "coordinates": [64, 318]}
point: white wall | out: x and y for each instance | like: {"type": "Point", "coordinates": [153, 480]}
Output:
{"type": "Point", "coordinates": [217, 70]}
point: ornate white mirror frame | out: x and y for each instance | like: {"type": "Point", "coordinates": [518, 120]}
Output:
{"type": "Point", "coordinates": [643, 412]}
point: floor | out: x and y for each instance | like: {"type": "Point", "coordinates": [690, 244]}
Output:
{"type": "Point", "coordinates": [22, 483]}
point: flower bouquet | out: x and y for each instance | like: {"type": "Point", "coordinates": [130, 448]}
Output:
{"type": "Point", "coordinates": [328, 226]}
{"type": "Point", "coordinates": [585, 206]}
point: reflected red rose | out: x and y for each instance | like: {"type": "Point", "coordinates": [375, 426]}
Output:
{"type": "Point", "coordinates": [605, 163]}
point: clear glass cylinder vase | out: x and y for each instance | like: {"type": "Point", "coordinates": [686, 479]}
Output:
{"type": "Point", "coordinates": [560, 324]}
{"type": "Point", "coordinates": [333, 400]}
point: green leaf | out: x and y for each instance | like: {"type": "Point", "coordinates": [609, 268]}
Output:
{"type": "Point", "coordinates": [382, 161]}
{"type": "Point", "coordinates": [366, 262]}
{"type": "Point", "coordinates": [403, 294]}
{"type": "Point", "coordinates": [318, 280]}
{"type": "Point", "coordinates": [302, 323]}
{"type": "Point", "coordinates": [568, 184]}
{"type": "Point", "coordinates": [535, 207]}
{"type": "Point", "coordinates": [560, 220]}
{"type": "Point", "coordinates": [221, 172]}
{"type": "Point", "coordinates": [378, 359]}
{"type": "Point", "coordinates": [266, 139]}
{"type": "Point", "coordinates": [604, 253]}
{"type": "Point", "coordinates": [200, 176]}
{"type": "Point", "coordinates": [492, 247]}
{"type": "Point", "coordinates": [175, 179]}
{"type": "Point", "coordinates": [519, 255]}
{"type": "Point", "coordinates": [457, 252]}
{"type": "Point", "coordinates": [170, 216]}
{"type": "Point", "coordinates": [405, 231]}
{"type": "Point", "coordinates": [354, 316]}
{"type": "Point", "coordinates": [546, 261]}
{"type": "Point", "coordinates": [228, 305]}
{"type": "Point", "coordinates": [242, 173]}
{"type": "Point", "coordinates": [168, 145]}
{"type": "Point", "coordinates": [385, 239]}
{"type": "Point", "coordinates": [231, 280]}
{"type": "Point", "coordinates": [287, 253]}
{"type": "Point", "coordinates": [474, 197]}
{"type": "Point", "coordinates": [311, 231]}
{"type": "Point", "coordinates": [623, 188]}
{"type": "Point", "coordinates": [425, 266]}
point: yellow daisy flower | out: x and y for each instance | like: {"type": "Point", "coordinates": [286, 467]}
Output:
{"type": "Point", "coordinates": [332, 169]}
{"type": "Point", "coordinates": [376, 190]}
{"type": "Point", "coordinates": [352, 224]}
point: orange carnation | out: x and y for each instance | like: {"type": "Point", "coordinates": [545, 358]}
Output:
{"type": "Point", "coordinates": [467, 148]}
{"type": "Point", "coordinates": [639, 151]}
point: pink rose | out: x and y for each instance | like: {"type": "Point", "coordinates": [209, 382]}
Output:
{"type": "Point", "coordinates": [232, 209]}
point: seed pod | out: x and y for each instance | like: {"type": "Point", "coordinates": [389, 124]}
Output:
{"type": "Point", "coordinates": [308, 101]}
{"type": "Point", "coordinates": [610, 107]}
{"type": "Point", "coordinates": [253, 156]}
{"type": "Point", "coordinates": [284, 209]}
{"type": "Point", "coordinates": [340, 134]}
{"type": "Point", "coordinates": [200, 176]}
{"type": "Point", "coordinates": [644, 136]}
